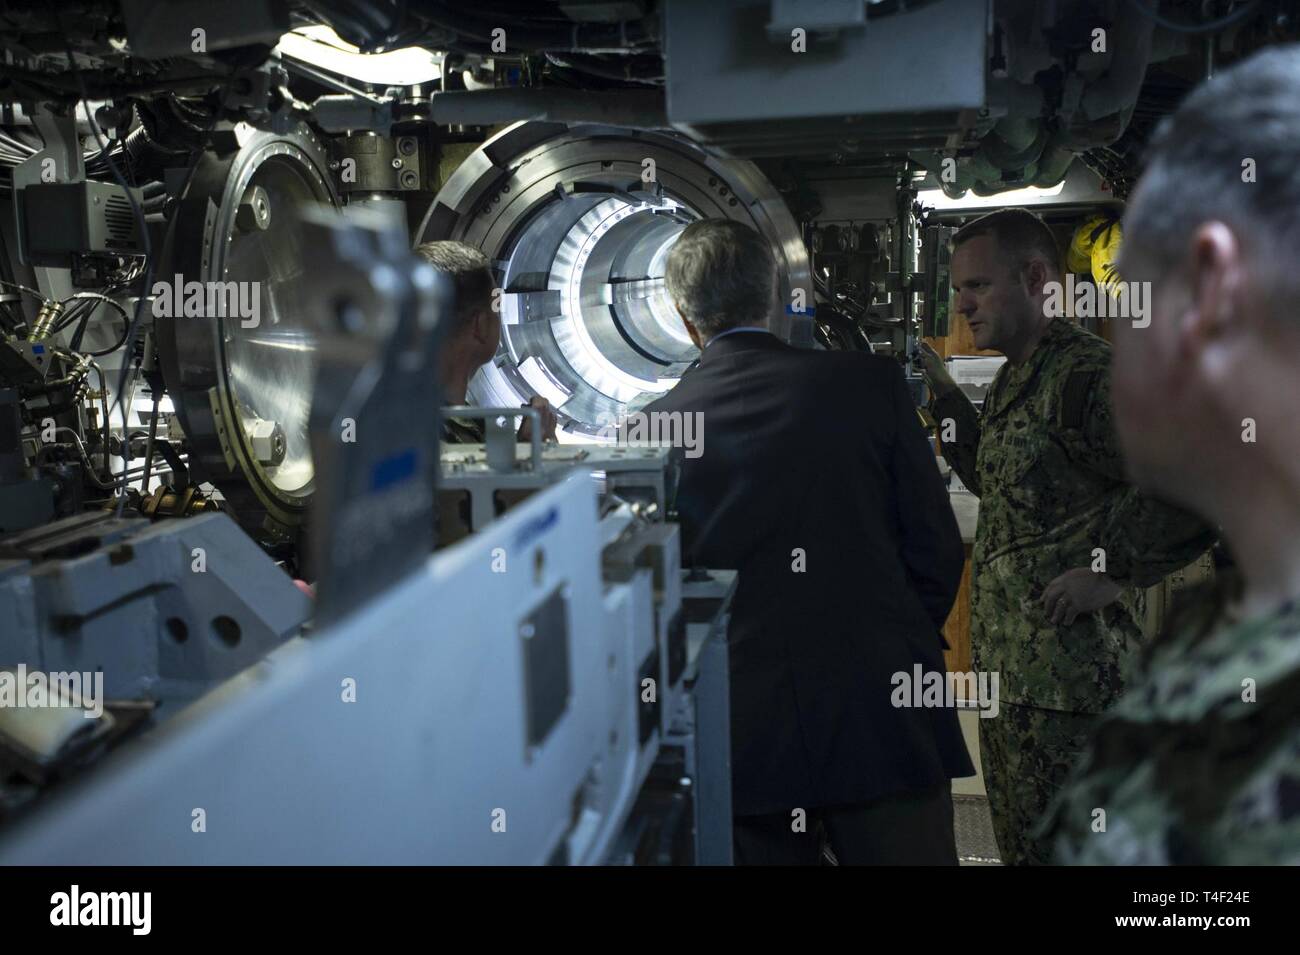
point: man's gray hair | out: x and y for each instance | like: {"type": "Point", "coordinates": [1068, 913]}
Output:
{"type": "Point", "coordinates": [1231, 153]}
{"type": "Point", "coordinates": [721, 274]}
{"type": "Point", "coordinates": [471, 275]}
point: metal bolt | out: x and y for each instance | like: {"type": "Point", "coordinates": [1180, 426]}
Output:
{"type": "Point", "coordinates": [267, 441]}
{"type": "Point", "coordinates": [254, 212]}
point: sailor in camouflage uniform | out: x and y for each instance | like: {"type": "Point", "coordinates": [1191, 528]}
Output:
{"type": "Point", "coordinates": [1064, 545]}
{"type": "Point", "coordinates": [1200, 761]}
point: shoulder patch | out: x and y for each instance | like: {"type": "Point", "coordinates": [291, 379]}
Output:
{"type": "Point", "coordinates": [1078, 390]}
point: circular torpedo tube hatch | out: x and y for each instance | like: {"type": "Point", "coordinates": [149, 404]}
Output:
{"type": "Point", "coordinates": [239, 374]}
{"type": "Point", "coordinates": [577, 222]}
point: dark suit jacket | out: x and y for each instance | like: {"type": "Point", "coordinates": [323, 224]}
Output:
{"type": "Point", "coordinates": [821, 454]}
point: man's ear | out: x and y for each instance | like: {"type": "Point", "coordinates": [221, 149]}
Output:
{"type": "Point", "coordinates": [690, 328]}
{"type": "Point", "coordinates": [1036, 275]}
{"type": "Point", "coordinates": [694, 333]}
{"type": "Point", "coordinates": [1216, 274]}
{"type": "Point", "coordinates": [483, 327]}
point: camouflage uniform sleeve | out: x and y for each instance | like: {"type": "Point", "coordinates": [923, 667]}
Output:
{"type": "Point", "coordinates": [962, 451]}
{"type": "Point", "coordinates": [1145, 539]}
{"type": "Point", "coordinates": [1189, 767]}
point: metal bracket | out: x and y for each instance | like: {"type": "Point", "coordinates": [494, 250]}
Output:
{"type": "Point", "coordinates": [379, 312]}
{"type": "Point", "coordinates": [500, 443]}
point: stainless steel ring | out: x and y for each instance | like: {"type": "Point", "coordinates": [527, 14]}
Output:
{"type": "Point", "coordinates": [228, 376]}
{"type": "Point", "coordinates": [578, 222]}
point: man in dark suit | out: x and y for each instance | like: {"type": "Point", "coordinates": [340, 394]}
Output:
{"type": "Point", "coordinates": [815, 480]}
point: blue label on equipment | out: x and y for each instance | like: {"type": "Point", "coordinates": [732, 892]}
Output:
{"type": "Point", "coordinates": [393, 470]}
{"type": "Point", "coordinates": [536, 527]}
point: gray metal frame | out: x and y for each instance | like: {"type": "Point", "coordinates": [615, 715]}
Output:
{"type": "Point", "coordinates": [165, 610]}
{"type": "Point", "coordinates": [414, 770]}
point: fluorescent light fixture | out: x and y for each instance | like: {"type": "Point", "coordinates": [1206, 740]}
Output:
{"type": "Point", "coordinates": [1030, 195]}
{"type": "Point", "coordinates": [322, 47]}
